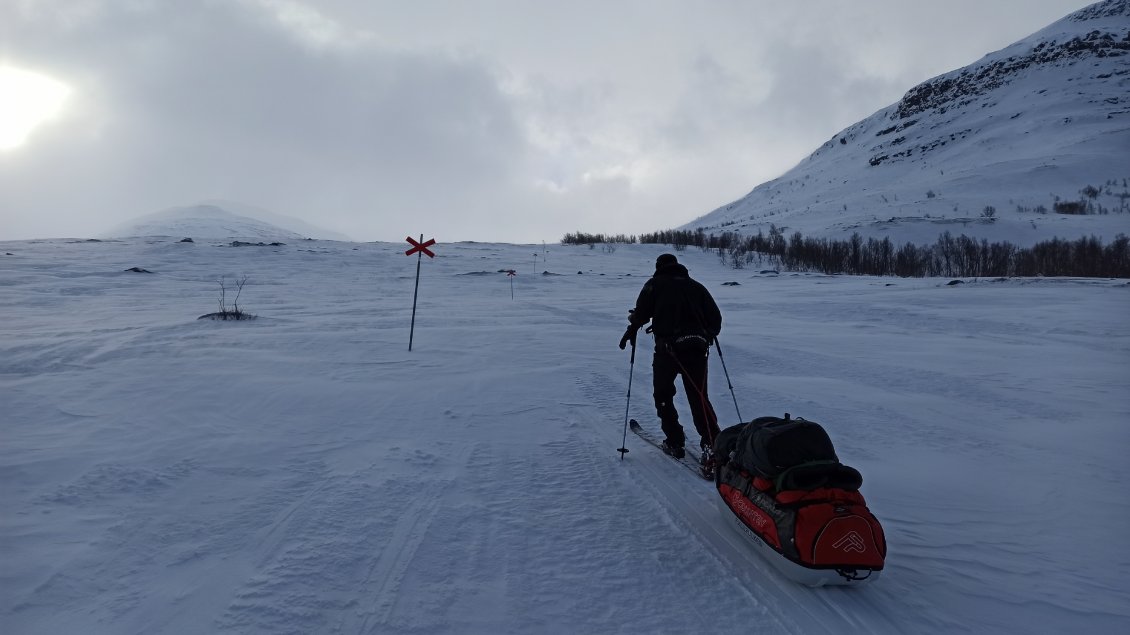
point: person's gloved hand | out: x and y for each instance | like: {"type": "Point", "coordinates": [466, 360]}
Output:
{"type": "Point", "coordinates": [629, 336]}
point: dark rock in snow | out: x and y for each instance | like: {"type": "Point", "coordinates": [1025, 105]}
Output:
{"type": "Point", "coordinates": [138, 270]}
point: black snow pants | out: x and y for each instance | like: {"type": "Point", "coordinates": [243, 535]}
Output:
{"type": "Point", "coordinates": [687, 357]}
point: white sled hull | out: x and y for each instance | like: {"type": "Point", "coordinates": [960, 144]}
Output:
{"type": "Point", "coordinates": [788, 568]}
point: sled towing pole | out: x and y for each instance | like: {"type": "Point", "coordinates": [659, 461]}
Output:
{"type": "Point", "coordinates": [718, 345]}
{"type": "Point", "coordinates": [631, 368]}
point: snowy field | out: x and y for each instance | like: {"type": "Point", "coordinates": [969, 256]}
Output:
{"type": "Point", "coordinates": [305, 473]}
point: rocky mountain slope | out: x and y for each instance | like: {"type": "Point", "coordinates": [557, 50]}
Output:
{"type": "Point", "coordinates": [1031, 142]}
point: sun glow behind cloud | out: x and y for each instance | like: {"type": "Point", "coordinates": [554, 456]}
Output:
{"type": "Point", "coordinates": [27, 99]}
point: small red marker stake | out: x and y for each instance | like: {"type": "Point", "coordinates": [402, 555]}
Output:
{"type": "Point", "coordinates": [510, 273]}
{"type": "Point", "coordinates": [419, 248]}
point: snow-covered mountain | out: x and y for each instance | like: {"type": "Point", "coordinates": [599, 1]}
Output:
{"type": "Point", "coordinates": [987, 150]}
{"type": "Point", "coordinates": [220, 220]}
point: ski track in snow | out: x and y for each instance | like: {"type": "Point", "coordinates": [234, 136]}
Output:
{"type": "Point", "coordinates": [305, 473]}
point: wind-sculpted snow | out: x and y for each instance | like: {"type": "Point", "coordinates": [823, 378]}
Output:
{"type": "Point", "coordinates": [305, 473]}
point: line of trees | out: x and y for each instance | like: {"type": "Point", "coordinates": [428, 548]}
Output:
{"type": "Point", "coordinates": [581, 238]}
{"type": "Point", "coordinates": [959, 256]}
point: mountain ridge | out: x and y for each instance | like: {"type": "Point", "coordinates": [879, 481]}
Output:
{"type": "Point", "coordinates": [990, 149]}
{"type": "Point", "coordinates": [220, 220]}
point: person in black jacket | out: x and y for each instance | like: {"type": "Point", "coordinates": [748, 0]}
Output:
{"type": "Point", "coordinates": [685, 320]}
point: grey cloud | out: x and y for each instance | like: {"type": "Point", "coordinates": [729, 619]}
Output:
{"type": "Point", "coordinates": [373, 116]}
{"type": "Point", "coordinates": [212, 96]}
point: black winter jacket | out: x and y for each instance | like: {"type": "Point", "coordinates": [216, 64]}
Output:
{"type": "Point", "coordinates": [676, 305]}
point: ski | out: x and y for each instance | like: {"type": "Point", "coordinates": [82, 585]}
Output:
{"type": "Point", "coordinates": [690, 461]}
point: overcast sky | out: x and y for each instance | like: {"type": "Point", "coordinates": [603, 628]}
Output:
{"type": "Point", "coordinates": [500, 120]}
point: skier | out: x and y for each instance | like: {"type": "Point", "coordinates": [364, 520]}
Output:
{"type": "Point", "coordinates": [685, 320]}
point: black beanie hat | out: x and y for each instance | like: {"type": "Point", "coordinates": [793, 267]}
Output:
{"type": "Point", "coordinates": [664, 260]}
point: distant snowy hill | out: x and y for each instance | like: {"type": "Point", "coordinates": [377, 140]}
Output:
{"type": "Point", "coordinates": [220, 220]}
{"type": "Point", "coordinates": [1042, 121]}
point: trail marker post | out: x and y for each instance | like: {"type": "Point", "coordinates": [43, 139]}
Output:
{"type": "Point", "coordinates": [510, 273]}
{"type": "Point", "coordinates": [419, 248]}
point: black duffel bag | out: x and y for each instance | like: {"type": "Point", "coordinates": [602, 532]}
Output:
{"type": "Point", "coordinates": [770, 445]}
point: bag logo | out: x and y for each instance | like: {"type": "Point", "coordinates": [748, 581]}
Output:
{"type": "Point", "coordinates": [750, 511]}
{"type": "Point", "coordinates": [849, 542]}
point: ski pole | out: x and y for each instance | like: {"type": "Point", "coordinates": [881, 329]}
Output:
{"type": "Point", "coordinates": [718, 345]}
{"type": "Point", "coordinates": [631, 368]}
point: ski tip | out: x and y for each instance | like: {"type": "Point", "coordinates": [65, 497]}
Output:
{"type": "Point", "coordinates": [633, 423]}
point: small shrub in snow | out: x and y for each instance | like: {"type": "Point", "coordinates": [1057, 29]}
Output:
{"type": "Point", "coordinates": [1070, 207]}
{"type": "Point", "coordinates": [234, 312]}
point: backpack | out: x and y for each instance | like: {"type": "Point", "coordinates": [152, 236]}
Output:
{"type": "Point", "coordinates": [770, 446]}
{"type": "Point", "coordinates": [782, 479]}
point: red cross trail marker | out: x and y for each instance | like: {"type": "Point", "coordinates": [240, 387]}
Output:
{"type": "Point", "coordinates": [419, 248]}
{"type": "Point", "coordinates": [510, 273]}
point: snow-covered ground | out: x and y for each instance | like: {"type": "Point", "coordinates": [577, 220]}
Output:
{"type": "Point", "coordinates": [305, 473]}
